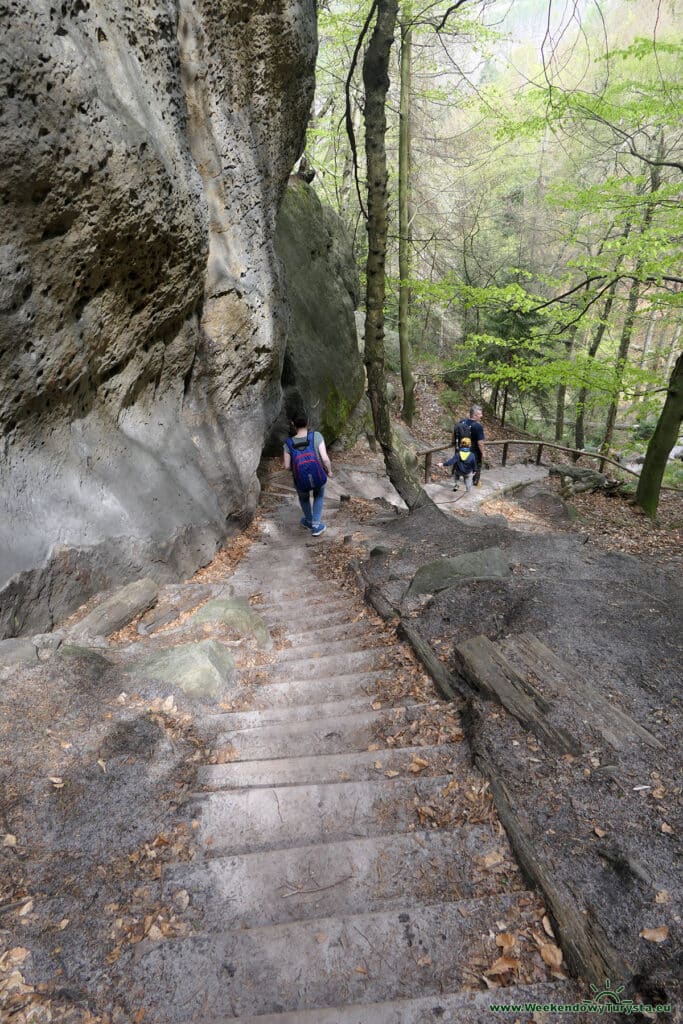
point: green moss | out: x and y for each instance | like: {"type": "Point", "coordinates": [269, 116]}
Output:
{"type": "Point", "coordinates": [337, 410]}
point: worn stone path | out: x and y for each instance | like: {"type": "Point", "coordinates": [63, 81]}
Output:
{"type": "Point", "coordinates": [352, 870]}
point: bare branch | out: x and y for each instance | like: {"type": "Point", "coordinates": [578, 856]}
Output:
{"type": "Point", "coordinates": [451, 10]}
{"type": "Point", "coordinates": [347, 92]}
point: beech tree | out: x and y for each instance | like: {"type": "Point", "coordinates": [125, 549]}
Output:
{"type": "Point", "coordinates": [662, 441]}
{"type": "Point", "coordinates": [376, 84]}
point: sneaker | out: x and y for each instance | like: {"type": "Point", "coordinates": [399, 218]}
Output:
{"type": "Point", "coordinates": [455, 487]}
{"type": "Point", "coordinates": [306, 525]}
{"type": "Point", "coordinates": [318, 529]}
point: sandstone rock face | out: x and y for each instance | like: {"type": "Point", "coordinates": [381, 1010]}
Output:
{"type": "Point", "coordinates": [323, 370]}
{"type": "Point", "coordinates": [145, 149]}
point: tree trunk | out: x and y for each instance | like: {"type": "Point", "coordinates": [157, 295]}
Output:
{"type": "Point", "coordinates": [562, 388]}
{"type": "Point", "coordinates": [622, 356]}
{"type": "Point", "coordinates": [631, 307]}
{"type": "Point", "coordinates": [579, 429]}
{"type": "Point", "coordinates": [646, 343]}
{"type": "Point", "coordinates": [404, 220]}
{"type": "Point", "coordinates": [661, 443]}
{"type": "Point", "coordinates": [505, 407]}
{"type": "Point", "coordinates": [376, 83]}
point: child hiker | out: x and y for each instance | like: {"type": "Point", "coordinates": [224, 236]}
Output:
{"type": "Point", "coordinates": [464, 464]}
{"type": "Point", "coordinates": [305, 454]}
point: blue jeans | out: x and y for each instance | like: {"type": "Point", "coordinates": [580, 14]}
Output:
{"type": "Point", "coordinates": [314, 516]}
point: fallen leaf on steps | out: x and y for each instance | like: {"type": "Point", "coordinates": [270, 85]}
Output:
{"type": "Point", "coordinates": [493, 858]}
{"type": "Point", "coordinates": [655, 934]}
{"type": "Point", "coordinates": [502, 965]}
{"type": "Point", "coordinates": [551, 954]}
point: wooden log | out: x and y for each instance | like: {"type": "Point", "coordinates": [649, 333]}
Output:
{"type": "Point", "coordinates": [616, 727]}
{"type": "Point", "coordinates": [488, 672]}
{"type": "Point", "coordinates": [450, 686]}
{"type": "Point", "coordinates": [585, 945]}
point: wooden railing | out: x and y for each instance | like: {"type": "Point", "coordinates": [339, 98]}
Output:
{"type": "Point", "coordinates": [539, 445]}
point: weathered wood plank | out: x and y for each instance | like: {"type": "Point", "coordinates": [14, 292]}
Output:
{"type": "Point", "coordinates": [617, 728]}
{"type": "Point", "coordinates": [487, 671]}
{"type": "Point", "coordinates": [584, 942]}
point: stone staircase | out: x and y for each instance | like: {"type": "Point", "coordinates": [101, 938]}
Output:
{"type": "Point", "coordinates": [350, 872]}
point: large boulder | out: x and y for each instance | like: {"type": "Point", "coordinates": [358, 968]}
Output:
{"type": "Point", "coordinates": [145, 150]}
{"type": "Point", "coordinates": [323, 370]}
{"type": "Point", "coordinates": [201, 669]}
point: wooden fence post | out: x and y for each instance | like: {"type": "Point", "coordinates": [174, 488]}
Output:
{"type": "Point", "coordinates": [505, 453]}
{"type": "Point", "coordinates": [538, 455]}
{"type": "Point", "coordinates": [428, 467]}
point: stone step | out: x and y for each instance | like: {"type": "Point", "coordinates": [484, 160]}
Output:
{"type": "Point", "coordinates": [327, 962]}
{"type": "Point", "coordinates": [299, 612]}
{"type": "Point", "coordinates": [330, 664]}
{"type": "Point", "coordinates": [468, 1007]}
{"type": "Point", "coordinates": [334, 734]}
{"type": "Point", "coordinates": [308, 691]}
{"type": "Point", "coordinates": [380, 873]}
{"type": "Point", "coordinates": [286, 587]}
{"type": "Point", "coordinates": [331, 633]}
{"type": "Point", "coordinates": [343, 614]}
{"type": "Point", "coordinates": [269, 819]}
{"type": "Point", "coordinates": [296, 771]}
{"type": "Point", "coordinates": [345, 645]}
{"type": "Point", "coordinates": [287, 714]}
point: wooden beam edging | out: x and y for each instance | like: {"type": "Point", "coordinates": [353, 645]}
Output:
{"type": "Point", "coordinates": [585, 945]}
{"type": "Point", "coordinates": [450, 686]}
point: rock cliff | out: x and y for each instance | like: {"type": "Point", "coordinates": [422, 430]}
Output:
{"type": "Point", "coordinates": [145, 150]}
{"type": "Point", "coordinates": [323, 370]}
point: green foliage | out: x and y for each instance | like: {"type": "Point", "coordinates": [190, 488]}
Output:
{"type": "Point", "coordinates": [538, 194]}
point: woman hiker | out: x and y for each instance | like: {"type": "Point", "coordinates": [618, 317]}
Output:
{"type": "Point", "coordinates": [305, 454]}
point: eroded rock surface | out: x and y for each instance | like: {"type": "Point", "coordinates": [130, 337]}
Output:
{"type": "Point", "coordinates": [142, 315]}
{"type": "Point", "coordinates": [323, 369]}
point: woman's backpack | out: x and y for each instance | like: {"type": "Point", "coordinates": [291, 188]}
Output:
{"type": "Point", "coordinates": [306, 466]}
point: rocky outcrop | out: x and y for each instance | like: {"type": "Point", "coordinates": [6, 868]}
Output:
{"type": "Point", "coordinates": [323, 370]}
{"type": "Point", "coordinates": [142, 317]}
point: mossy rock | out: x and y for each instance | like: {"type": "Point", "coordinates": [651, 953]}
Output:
{"type": "Point", "coordinates": [199, 670]}
{"type": "Point", "coordinates": [489, 563]}
{"type": "Point", "coordinates": [238, 615]}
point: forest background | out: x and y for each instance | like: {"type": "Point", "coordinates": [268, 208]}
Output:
{"type": "Point", "coordinates": [535, 161]}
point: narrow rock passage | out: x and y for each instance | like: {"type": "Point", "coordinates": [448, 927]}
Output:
{"type": "Point", "coordinates": [351, 868]}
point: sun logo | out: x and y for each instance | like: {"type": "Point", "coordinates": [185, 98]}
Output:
{"type": "Point", "coordinates": [607, 994]}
